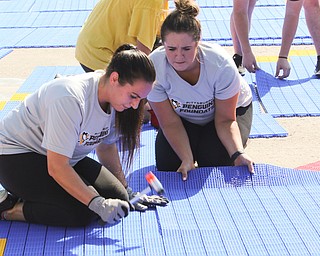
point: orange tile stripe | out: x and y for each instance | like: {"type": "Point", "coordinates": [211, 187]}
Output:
{"type": "Point", "coordinates": [2, 104]}
{"type": "Point", "coordinates": [2, 246]}
{"type": "Point", "coordinates": [19, 96]}
{"type": "Point", "coordinates": [15, 97]}
{"type": "Point", "coordinates": [292, 53]}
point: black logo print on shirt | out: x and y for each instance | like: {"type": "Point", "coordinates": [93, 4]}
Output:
{"type": "Point", "coordinates": [87, 139]}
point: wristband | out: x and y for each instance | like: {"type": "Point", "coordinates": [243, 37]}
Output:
{"type": "Point", "coordinates": [235, 155]}
{"type": "Point", "coordinates": [282, 57]}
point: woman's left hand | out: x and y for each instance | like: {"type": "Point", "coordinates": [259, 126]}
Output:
{"type": "Point", "coordinates": [184, 168]}
{"type": "Point", "coordinates": [245, 159]}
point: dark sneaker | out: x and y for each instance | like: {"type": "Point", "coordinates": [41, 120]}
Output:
{"type": "Point", "coordinates": [238, 60]}
{"type": "Point", "coordinates": [317, 71]}
{"type": "Point", "coordinates": [57, 76]}
{"type": "Point", "coordinates": [7, 201]}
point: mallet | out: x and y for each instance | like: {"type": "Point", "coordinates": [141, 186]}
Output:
{"type": "Point", "coordinates": [154, 183]}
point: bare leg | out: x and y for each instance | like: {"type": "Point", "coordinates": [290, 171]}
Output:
{"type": "Point", "coordinates": [234, 36]}
{"type": "Point", "coordinates": [248, 10]}
{"type": "Point", "coordinates": [312, 13]}
{"type": "Point", "coordinates": [252, 4]}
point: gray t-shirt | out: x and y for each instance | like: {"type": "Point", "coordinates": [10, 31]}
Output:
{"type": "Point", "coordinates": [63, 116]}
{"type": "Point", "coordinates": [219, 78]}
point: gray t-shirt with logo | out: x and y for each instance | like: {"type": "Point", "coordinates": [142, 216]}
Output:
{"type": "Point", "coordinates": [63, 116]}
{"type": "Point", "coordinates": [219, 78]}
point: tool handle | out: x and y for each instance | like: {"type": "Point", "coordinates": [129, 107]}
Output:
{"type": "Point", "coordinates": [139, 195]}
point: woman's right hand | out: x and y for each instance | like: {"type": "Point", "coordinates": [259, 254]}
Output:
{"type": "Point", "coordinates": [110, 210]}
{"type": "Point", "coordinates": [284, 67]}
{"type": "Point", "coordinates": [184, 168]}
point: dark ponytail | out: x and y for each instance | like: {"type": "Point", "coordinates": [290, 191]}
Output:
{"type": "Point", "coordinates": [131, 65]}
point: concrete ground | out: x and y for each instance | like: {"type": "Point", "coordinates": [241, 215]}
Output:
{"type": "Point", "coordinates": [300, 147]}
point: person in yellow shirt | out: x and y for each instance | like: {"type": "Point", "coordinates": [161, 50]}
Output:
{"type": "Point", "coordinates": [115, 22]}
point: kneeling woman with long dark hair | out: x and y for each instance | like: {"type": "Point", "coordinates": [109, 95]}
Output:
{"type": "Point", "coordinates": [45, 141]}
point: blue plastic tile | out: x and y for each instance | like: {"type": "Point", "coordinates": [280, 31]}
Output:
{"type": "Point", "coordinates": [61, 19]}
{"type": "Point", "coordinates": [288, 97]}
{"type": "Point", "coordinates": [55, 241]}
{"type": "Point", "coordinates": [66, 5]}
{"type": "Point", "coordinates": [35, 240]}
{"type": "Point", "coordinates": [4, 52]}
{"type": "Point", "coordinates": [275, 217]}
{"type": "Point", "coordinates": [113, 239]}
{"type": "Point", "coordinates": [152, 234]}
{"type": "Point", "coordinates": [172, 240]}
{"type": "Point", "coordinates": [10, 37]}
{"type": "Point", "coordinates": [93, 241]}
{"type": "Point", "coordinates": [8, 107]}
{"type": "Point", "coordinates": [50, 37]}
{"type": "Point", "coordinates": [43, 74]}
{"type": "Point", "coordinates": [16, 238]}
{"type": "Point", "coordinates": [17, 20]}
{"type": "Point", "coordinates": [266, 26]}
{"type": "Point", "coordinates": [16, 6]}
{"type": "Point", "coordinates": [265, 126]}
{"type": "Point", "coordinates": [73, 241]}
{"type": "Point", "coordinates": [4, 227]}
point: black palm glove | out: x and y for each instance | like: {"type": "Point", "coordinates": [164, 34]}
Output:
{"type": "Point", "coordinates": [146, 201]}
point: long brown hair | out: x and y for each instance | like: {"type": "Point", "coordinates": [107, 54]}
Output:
{"type": "Point", "coordinates": [131, 65]}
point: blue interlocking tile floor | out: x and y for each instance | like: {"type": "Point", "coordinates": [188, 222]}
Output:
{"type": "Point", "coordinates": [56, 23]}
{"type": "Point", "coordinates": [298, 95]}
{"type": "Point", "coordinates": [218, 211]}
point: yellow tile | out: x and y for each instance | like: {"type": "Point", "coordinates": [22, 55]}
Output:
{"type": "Point", "coordinates": [2, 246]}
{"type": "Point", "coordinates": [266, 58]}
{"type": "Point", "coordinates": [292, 53]}
{"type": "Point", "coordinates": [302, 52]}
{"type": "Point", "coordinates": [2, 104]}
{"type": "Point", "coordinates": [19, 96]}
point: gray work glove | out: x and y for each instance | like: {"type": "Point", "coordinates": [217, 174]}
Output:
{"type": "Point", "coordinates": [146, 201]}
{"type": "Point", "coordinates": [154, 200]}
{"type": "Point", "coordinates": [110, 210]}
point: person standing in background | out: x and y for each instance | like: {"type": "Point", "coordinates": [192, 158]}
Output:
{"type": "Point", "coordinates": [115, 22]}
{"type": "Point", "coordinates": [290, 24]}
{"type": "Point", "coordinates": [240, 23]}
